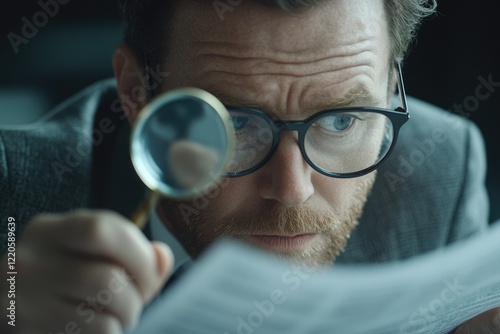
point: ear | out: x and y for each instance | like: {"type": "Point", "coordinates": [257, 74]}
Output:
{"type": "Point", "coordinates": [130, 81]}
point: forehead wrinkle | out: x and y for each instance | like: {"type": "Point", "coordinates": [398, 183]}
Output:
{"type": "Point", "coordinates": [233, 66]}
{"type": "Point", "coordinates": [266, 44]}
{"type": "Point", "coordinates": [256, 31]}
{"type": "Point", "coordinates": [260, 59]}
{"type": "Point", "coordinates": [320, 48]}
{"type": "Point", "coordinates": [251, 23]}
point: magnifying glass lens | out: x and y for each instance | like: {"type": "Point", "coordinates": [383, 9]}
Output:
{"type": "Point", "coordinates": [182, 142]}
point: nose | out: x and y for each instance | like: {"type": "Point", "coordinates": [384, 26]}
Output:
{"type": "Point", "coordinates": [286, 177]}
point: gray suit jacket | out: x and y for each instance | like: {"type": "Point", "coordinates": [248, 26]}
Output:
{"type": "Point", "coordinates": [428, 194]}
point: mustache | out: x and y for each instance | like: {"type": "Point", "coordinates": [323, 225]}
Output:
{"type": "Point", "coordinates": [278, 221]}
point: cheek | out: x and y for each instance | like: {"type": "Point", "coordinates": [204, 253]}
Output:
{"type": "Point", "coordinates": [233, 195]}
{"type": "Point", "coordinates": [242, 195]}
{"type": "Point", "coordinates": [338, 194]}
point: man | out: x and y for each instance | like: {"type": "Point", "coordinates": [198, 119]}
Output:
{"type": "Point", "coordinates": [290, 65]}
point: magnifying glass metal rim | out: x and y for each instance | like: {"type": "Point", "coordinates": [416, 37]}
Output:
{"type": "Point", "coordinates": [141, 167]}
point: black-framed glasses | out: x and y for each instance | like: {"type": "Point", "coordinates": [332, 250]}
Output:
{"type": "Point", "coordinates": [341, 143]}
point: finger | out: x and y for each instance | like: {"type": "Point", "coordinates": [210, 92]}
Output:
{"type": "Point", "coordinates": [105, 236]}
{"type": "Point", "coordinates": [63, 319]}
{"type": "Point", "coordinates": [485, 323]}
{"type": "Point", "coordinates": [103, 323]}
{"type": "Point", "coordinates": [98, 288]}
{"type": "Point", "coordinates": [57, 315]}
{"type": "Point", "coordinates": [85, 288]}
{"type": "Point", "coordinates": [164, 259]}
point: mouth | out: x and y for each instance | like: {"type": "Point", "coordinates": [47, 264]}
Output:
{"type": "Point", "coordinates": [283, 243]}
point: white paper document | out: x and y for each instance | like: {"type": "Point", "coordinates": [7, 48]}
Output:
{"type": "Point", "coordinates": [237, 290]}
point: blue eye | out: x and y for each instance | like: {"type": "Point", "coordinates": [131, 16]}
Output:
{"type": "Point", "coordinates": [239, 122]}
{"type": "Point", "coordinates": [336, 123]}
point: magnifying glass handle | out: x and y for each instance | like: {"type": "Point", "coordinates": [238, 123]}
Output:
{"type": "Point", "coordinates": [141, 214]}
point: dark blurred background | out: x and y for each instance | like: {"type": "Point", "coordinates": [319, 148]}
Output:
{"type": "Point", "coordinates": [75, 47]}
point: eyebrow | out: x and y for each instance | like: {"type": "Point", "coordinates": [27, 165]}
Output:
{"type": "Point", "coordinates": [229, 100]}
{"type": "Point", "coordinates": [354, 96]}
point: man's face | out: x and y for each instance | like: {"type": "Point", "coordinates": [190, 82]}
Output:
{"type": "Point", "coordinates": [290, 67]}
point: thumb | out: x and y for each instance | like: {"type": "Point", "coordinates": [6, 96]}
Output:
{"type": "Point", "coordinates": [164, 261]}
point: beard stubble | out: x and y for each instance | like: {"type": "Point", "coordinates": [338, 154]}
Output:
{"type": "Point", "coordinates": [334, 229]}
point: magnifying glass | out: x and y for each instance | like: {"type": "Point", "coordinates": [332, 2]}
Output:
{"type": "Point", "coordinates": [181, 144]}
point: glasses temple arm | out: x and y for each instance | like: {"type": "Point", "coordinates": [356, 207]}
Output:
{"type": "Point", "coordinates": [401, 86]}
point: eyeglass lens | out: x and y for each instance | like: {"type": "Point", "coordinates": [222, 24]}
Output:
{"type": "Point", "coordinates": [342, 143]}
